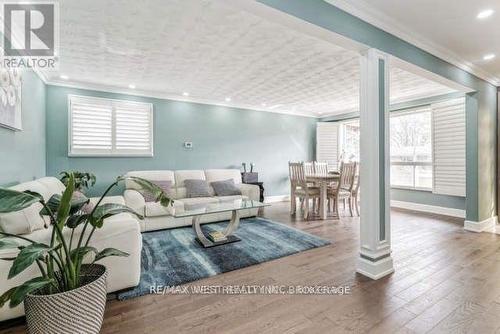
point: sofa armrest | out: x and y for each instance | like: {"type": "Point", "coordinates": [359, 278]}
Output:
{"type": "Point", "coordinates": [135, 201]}
{"type": "Point", "coordinates": [251, 191]}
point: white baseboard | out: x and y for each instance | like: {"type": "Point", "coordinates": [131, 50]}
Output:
{"type": "Point", "coordinates": [276, 198]}
{"type": "Point", "coordinates": [487, 225]}
{"type": "Point", "coordinates": [440, 210]}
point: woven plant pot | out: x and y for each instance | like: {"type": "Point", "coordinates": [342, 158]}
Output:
{"type": "Point", "coordinates": [77, 311]}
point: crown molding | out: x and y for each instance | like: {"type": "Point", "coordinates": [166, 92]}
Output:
{"type": "Point", "coordinates": [366, 12]}
{"type": "Point", "coordinates": [173, 97]}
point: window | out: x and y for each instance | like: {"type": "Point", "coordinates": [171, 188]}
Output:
{"type": "Point", "coordinates": [105, 127]}
{"type": "Point", "coordinates": [411, 149]}
{"type": "Point", "coordinates": [349, 141]}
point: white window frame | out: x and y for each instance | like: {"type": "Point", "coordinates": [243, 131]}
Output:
{"type": "Point", "coordinates": [415, 110]}
{"type": "Point", "coordinates": [113, 152]}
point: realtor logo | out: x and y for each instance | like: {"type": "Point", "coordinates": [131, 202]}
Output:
{"type": "Point", "coordinates": [30, 31]}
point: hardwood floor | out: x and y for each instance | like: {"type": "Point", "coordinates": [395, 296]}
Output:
{"type": "Point", "coordinates": [446, 280]}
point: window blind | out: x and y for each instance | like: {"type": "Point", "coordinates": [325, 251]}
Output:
{"type": "Point", "coordinates": [327, 143]}
{"type": "Point", "coordinates": [109, 127]}
{"type": "Point", "coordinates": [448, 121]}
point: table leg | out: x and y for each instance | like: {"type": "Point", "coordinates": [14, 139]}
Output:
{"type": "Point", "coordinates": [231, 227]}
{"type": "Point", "coordinates": [323, 199]}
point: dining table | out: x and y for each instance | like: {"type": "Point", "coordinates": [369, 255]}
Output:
{"type": "Point", "coordinates": [322, 181]}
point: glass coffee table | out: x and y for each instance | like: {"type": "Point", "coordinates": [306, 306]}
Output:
{"type": "Point", "coordinates": [196, 211]}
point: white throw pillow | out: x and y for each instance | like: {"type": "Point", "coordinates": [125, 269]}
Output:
{"type": "Point", "coordinates": [24, 221]}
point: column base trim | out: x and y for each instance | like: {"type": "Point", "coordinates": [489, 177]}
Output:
{"type": "Point", "coordinates": [375, 269]}
{"type": "Point", "coordinates": [487, 225]}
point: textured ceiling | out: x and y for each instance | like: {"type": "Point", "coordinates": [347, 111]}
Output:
{"type": "Point", "coordinates": [447, 27]}
{"type": "Point", "coordinates": [213, 51]}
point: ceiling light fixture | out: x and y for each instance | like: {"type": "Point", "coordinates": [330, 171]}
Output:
{"type": "Point", "coordinates": [227, 99]}
{"type": "Point", "coordinates": [131, 86]}
{"type": "Point", "coordinates": [185, 94]}
{"type": "Point", "coordinates": [489, 56]}
{"type": "Point", "coordinates": [64, 77]}
{"type": "Point", "coordinates": [485, 14]}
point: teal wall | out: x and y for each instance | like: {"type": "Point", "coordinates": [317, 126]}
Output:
{"type": "Point", "coordinates": [482, 114]}
{"type": "Point", "coordinates": [222, 138]}
{"type": "Point", "coordinates": [23, 152]}
{"type": "Point", "coordinates": [407, 195]}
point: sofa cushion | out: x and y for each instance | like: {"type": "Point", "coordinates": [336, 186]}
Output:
{"type": "Point", "coordinates": [182, 175]}
{"type": "Point", "coordinates": [198, 202]}
{"type": "Point", "coordinates": [155, 209]}
{"type": "Point", "coordinates": [213, 175]}
{"type": "Point", "coordinates": [29, 220]}
{"type": "Point", "coordinates": [223, 199]}
{"type": "Point", "coordinates": [151, 175]}
{"type": "Point", "coordinates": [197, 188]}
{"type": "Point", "coordinates": [225, 188]}
{"type": "Point", "coordinates": [166, 186]}
{"type": "Point", "coordinates": [23, 222]}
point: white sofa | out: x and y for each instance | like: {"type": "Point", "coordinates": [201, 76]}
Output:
{"type": "Point", "coordinates": [121, 231]}
{"type": "Point", "coordinates": [158, 217]}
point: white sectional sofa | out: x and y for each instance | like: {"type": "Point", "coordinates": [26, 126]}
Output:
{"type": "Point", "coordinates": [158, 217]}
{"type": "Point", "coordinates": [121, 231]}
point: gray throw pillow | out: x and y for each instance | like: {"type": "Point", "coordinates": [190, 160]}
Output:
{"type": "Point", "coordinates": [197, 188]}
{"type": "Point", "coordinates": [166, 186]}
{"type": "Point", "coordinates": [225, 188]}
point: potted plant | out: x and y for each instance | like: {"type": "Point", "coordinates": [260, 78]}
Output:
{"type": "Point", "coordinates": [70, 294]}
{"type": "Point", "coordinates": [83, 180]}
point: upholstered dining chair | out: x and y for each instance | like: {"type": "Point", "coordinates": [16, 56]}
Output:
{"type": "Point", "coordinates": [300, 188]}
{"type": "Point", "coordinates": [343, 190]}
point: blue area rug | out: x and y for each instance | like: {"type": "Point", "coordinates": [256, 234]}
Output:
{"type": "Point", "coordinates": [172, 257]}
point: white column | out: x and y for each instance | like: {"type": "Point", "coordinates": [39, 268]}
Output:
{"type": "Point", "coordinates": [375, 259]}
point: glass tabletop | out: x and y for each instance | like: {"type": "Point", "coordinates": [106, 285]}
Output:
{"type": "Point", "coordinates": [223, 206]}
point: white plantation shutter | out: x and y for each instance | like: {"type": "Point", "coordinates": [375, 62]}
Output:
{"type": "Point", "coordinates": [109, 127]}
{"type": "Point", "coordinates": [133, 127]}
{"type": "Point", "coordinates": [448, 122]}
{"type": "Point", "coordinates": [327, 143]}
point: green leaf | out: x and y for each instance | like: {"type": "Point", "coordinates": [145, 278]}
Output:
{"type": "Point", "coordinates": [65, 204]}
{"type": "Point", "coordinates": [107, 210]}
{"type": "Point", "coordinates": [109, 252]}
{"type": "Point", "coordinates": [6, 243]}
{"type": "Point", "coordinates": [21, 291]}
{"type": "Point", "coordinates": [26, 257]}
{"type": "Point", "coordinates": [6, 296]}
{"type": "Point", "coordinates": [12, 200]}
{"type": "Point", "coordinates": [79, 253]}
{"type": "Point", "coordinates": [34, 193]}
{"type": "Point", "coordinates": [54, 202]}
{"type": "Point", "coordinates": [75, 220]}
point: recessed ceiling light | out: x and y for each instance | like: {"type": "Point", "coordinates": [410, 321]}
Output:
{"type": "Point", "coordinates": [485, 14]}
{"type": "Point", "coordinates": [131, 86]}
{"type": "Point", "coordinates": [227, 99]}
{"type": "Point", "coordinates": [489, 56]}
{"type": "Point", "coordinates": [185, 94]}
{"type": "Point", "coordinates": [64, 77]}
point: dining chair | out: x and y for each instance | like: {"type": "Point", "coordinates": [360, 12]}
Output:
{"type": "Point", "coordinates": [343, 190]}
{"type": "Point", "coordinates": [300, 188]}
{"type": "Point", "coordinates": [309, 168]}
{"type": "Point", "coordinates": [320, 168]}
{"type": "Point", "coordinates": [355, 194]}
